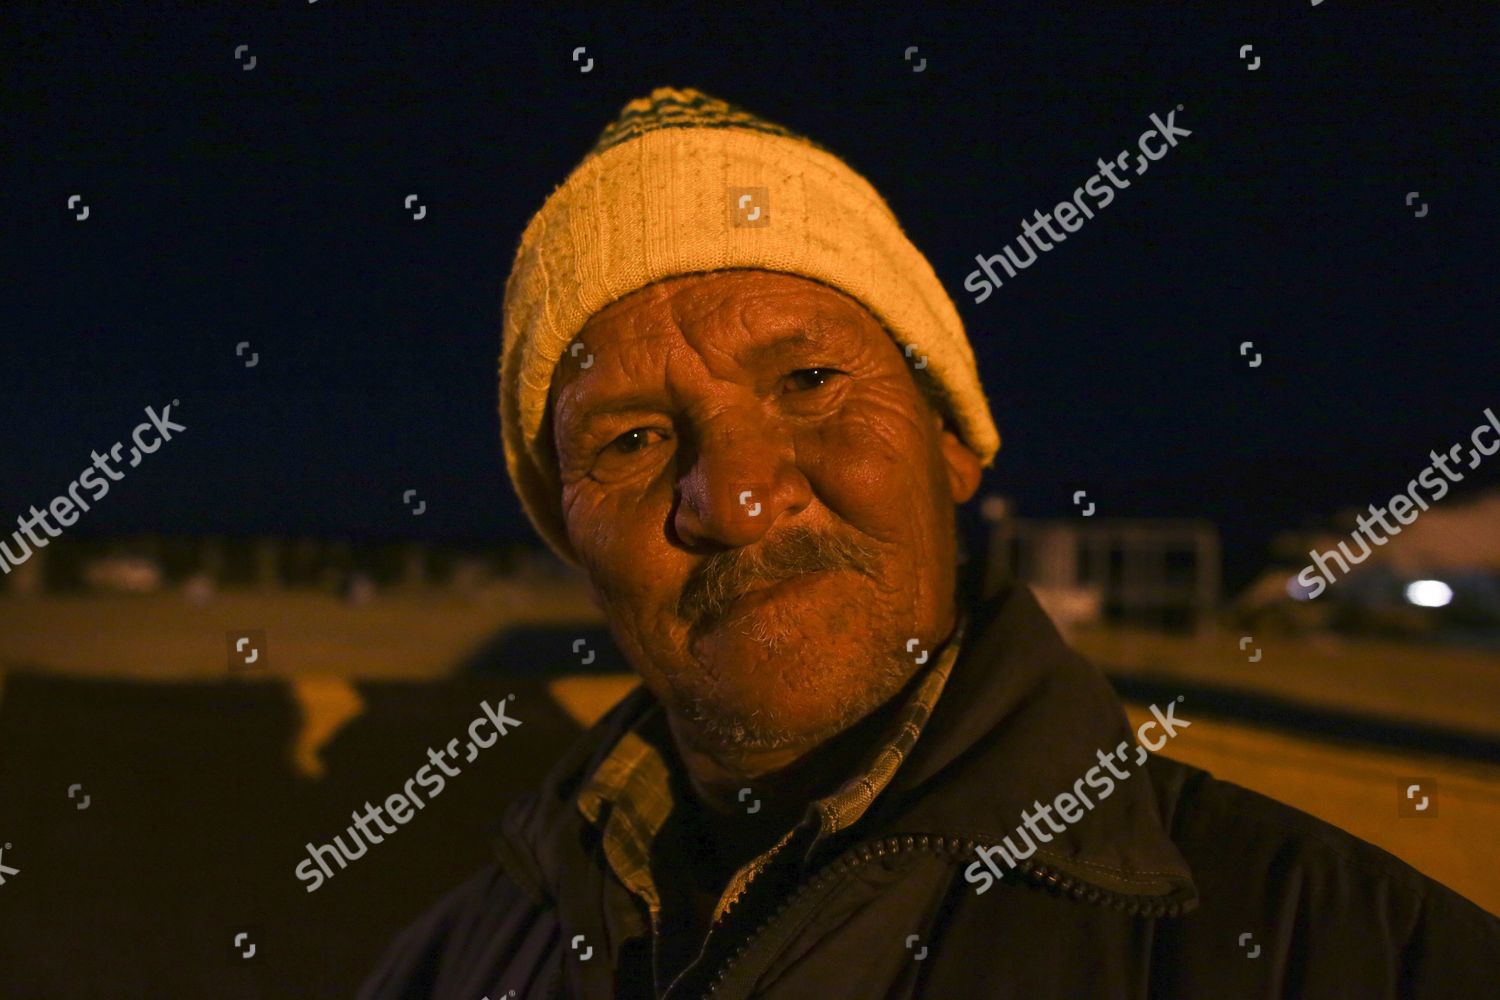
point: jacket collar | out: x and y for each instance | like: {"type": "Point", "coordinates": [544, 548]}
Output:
{"type": "Point", "coordinates": [1021, 719]}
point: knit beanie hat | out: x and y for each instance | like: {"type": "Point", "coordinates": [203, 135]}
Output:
{"type": "Point", "coordinates": [682, 183]}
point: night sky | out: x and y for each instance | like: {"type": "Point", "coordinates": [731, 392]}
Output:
{"type": "Point", "coordinates": [266, 206]}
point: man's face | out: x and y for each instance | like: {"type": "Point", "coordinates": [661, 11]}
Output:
{"type": "Point", "coordinates": [763, 500]}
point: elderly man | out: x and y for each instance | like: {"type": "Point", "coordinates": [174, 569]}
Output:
{"type": "Point", "coordinates": [739, 398]}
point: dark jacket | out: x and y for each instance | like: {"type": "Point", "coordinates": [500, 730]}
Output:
{"type": "Point", "coordinates": [1175, 885]}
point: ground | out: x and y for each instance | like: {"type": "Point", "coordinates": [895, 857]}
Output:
{"type": "Point", "coordinates": [204, 784]}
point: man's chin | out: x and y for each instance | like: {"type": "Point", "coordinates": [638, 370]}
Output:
{"type": "Point", "coordinates": [739, 727]}
{"type": "Point", "coordinates": [795, 701]}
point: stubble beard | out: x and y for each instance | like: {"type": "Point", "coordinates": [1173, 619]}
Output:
{"type": "Point", "coordinates": [725, 725]}
{"type": "Point", "coordinates": [871, 674]}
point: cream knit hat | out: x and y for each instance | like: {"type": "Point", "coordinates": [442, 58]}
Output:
{"type": "Point", "coordinates": [683, 183]}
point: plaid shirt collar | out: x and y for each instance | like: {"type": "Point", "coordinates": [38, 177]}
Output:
{"type": "Point", "coordinates": [634, 782]}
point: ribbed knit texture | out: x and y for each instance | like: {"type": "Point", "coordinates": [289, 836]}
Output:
{"type": "Point", "coordinates": [657, 197]}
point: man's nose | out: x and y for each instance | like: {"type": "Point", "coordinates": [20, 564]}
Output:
{"type": "Point", "coordinates": [738, 480]}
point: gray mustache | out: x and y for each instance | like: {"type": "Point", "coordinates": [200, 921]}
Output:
{"type": "Point", "coordinates": [722, 578]}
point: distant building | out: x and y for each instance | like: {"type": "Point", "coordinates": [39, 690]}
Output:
{"type": "Point", "coordinates": [205, 565]}
{"type": "Point", "coordinates": [1439, 574]}
{"type": "Point", "coordinates": [1161, 573]}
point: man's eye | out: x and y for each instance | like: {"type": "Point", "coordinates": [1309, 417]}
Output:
{"type": "Point", "coordinates": [632, 440]}
{"type": "Point", "coordinates": [812, 378]}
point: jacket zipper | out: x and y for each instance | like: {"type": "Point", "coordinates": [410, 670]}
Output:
{"type": "Point", "coordinates": [1038, 874]}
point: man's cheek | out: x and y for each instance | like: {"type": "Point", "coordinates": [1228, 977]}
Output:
{"type": "Point", "coordinates": [629, 575]}
{"type": "Point", "coordinates": [626, 521]}
{"type": "Point", "coordinates": [877, 424]}
{"type": "Point", "coordinates": [592, 526]}
{"type": "Point", "coordinates": [621, 534]}
{"type": "Point", "coordinates": [862, 466]}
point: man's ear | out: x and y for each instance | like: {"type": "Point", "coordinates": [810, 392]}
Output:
{"type": "Point", "coordinates": [964, 468]}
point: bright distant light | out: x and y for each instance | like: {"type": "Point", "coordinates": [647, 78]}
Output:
{"type": "Point", "coordinates": [1429, 593]}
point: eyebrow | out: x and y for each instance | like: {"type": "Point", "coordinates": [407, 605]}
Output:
{"type": "Point", "coordinates": [797, 340]}
{"type": "Point", "coordinates": [804, 336]}
{"type": "Point", "coordinates": [578, 433]}
{"type": "Point", "coordinates": [812, 334]}
{"type": "Point", "coordinates": [632, 403]}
